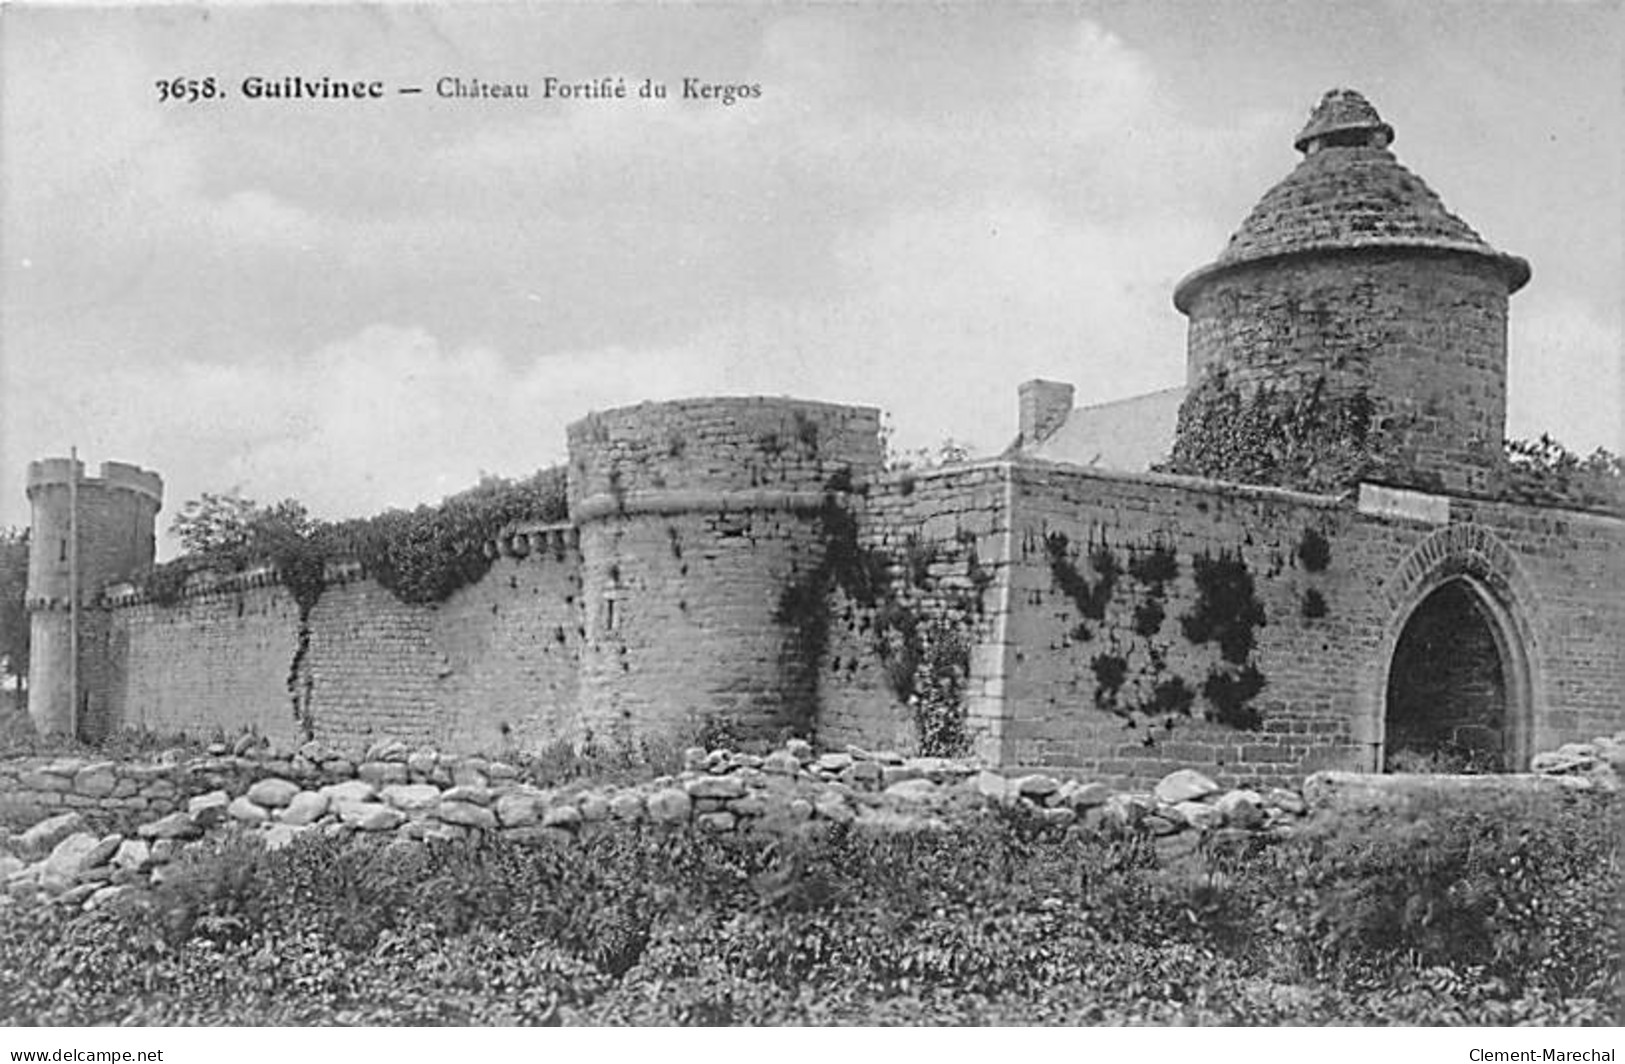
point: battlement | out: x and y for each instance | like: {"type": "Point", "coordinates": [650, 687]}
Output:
{"type": "Point", "coordinates": [115, 476]}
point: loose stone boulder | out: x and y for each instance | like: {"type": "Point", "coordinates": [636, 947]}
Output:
{"type": "Point", "coordinates": [466, 814]}
{"type": "Point", "coordinates": [133, 854]}
{"type": "Point", "coordinates": [273, 793]}
{"type": "Point", "coordinates": [561, 816]}
{"type": "Point", "coordinates": [627, 805]}
{"type": "Point", "coordinates": [411, 797]}
{"type": "Point", "coordinates": [207, 810]}
{"type": "Point", "coordinates": [994, 787]}
{"type": "Point", "coordinates": [47, 833]}
{"type": "Point", "coordinates": [1199, 815]}
{"type": "Point", "coordinates": [371, 816]}
{"type": "Point", "coordinates": [1241, 809]}
{"type": "Point", "coordinates": [1185, 785]}
{"type": "Point", "coordinates": [307, 807]}
{"type": "Point", "coordinates": [669, 805]}
{"type": "Point", "coordinates": [1037, 787]}
{"type": "Point", "coordinates": [69, 856]}
{"type": "Point", "coordinates": [246, 811]}
{"type": "Point", "coordinates": [722, 787]}
{"type": "Point", "coordinates": [781, 763]}
{"type": "Point", "coordinates": [914, 790]}
{"type": "Point", "coordinates": [95, 781]}
{"type": "Point", "coordinates": [382, 773]}
{"type": "Point", "coordinates": [517, 810]}
{"type": "Point", "coordinates": [594, 807]}
{"type": "Point", "coordinates": [173, 826]}
{"type": "Point", "coordinates": [350, 791]}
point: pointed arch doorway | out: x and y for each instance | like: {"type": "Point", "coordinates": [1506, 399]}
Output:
{"type": "Point", "coordinates": [1457, 695]}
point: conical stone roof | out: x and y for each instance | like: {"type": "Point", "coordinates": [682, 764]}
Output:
{"type": "Point", "coordinates": [1348, 193]}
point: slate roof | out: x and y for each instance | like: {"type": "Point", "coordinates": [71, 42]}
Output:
{"type": "Point", "coordinates": [1349, 192]}
{"type": "Point", "coordinates": [1130, 434]}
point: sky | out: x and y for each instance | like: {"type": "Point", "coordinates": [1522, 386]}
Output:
{"type": "Point", "coordinates": [368, 304]}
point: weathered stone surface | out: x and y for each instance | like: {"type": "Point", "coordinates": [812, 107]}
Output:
{"type": "Point", "coordinates": [307, 807]}
{"type": "Point", "coordinates": [474, 793]}
{"type": "Point", "coordinates": [627, 805]}
{"type": "Point", "coordinates": [48, 832]}
{"type": "Point", "coordinates": [890, 774]}
{"type": "Point", "coordinates": [867, 774]}
{"type": "Point", "coordinates": [470, 773]}
{"type": "Point", "coordinates": [1123, 810]}
{"type": "Point", "coordinates": [371, 816]}
{"type": "Point", "coordinates": [561, 816]}
{"type": "Point", "coordinates": [1327, 790]}
{"type": "Point", "coordinates": [800, 749]}
{"type": "Point", "coordinates": [95, 781]}
{"type": "Point", "coordinates": [411, 797]}
{"type": "Point", "coordinates": [834, 807]}
{"type": "Point", "coordinates": [781, 763]}
{"type": "Point", "coordinates": [833, 763]}
{"type": "Point", "coordinates": [501, 772]}
{"type": "Point", "coordinates": [466, 814]}
{"type": "Point", "coordinates": [1241, 808]}
{"type": "Point", "coordinates": [994, 787]}
{"type": "Point", "coordinates": [723, 787]}
{"type": "Point", "coordinates": [1037, 786]}
{"type": "Point", "coordinates": [1060, 815]}
{"type": "Point", "coordinates": [914, 790]}
{"type": "Point", "coordinates": [719, 821]}
{"type": "Point", "coordinates": [173, 826]}
{"type": "Point", "coordinates": [382, 773]}
{"type": "Point", "coordinates": [517, 810]}
{"type": "Point", "coordinates": [350, 791]}
{"type": "Point", "coordinates": [1199, 815]}
{"type": "Point", "coordinates": [1090, 795]}
{"type": "Point", "coordinates": [594, 807]}
{"type": "Point", "coordinates": [68, 856]}
{"type": "Point", "coordinates": [1184, 785]}
{"type": "Point", "coordinates": [1285, 800]}
{"type": "Point", "coordinates": [247, 811]}
{"type": "Point", "coordinates": [207, 810]}
{"type": "Point", "coordinates": [133, 854]}
{"type": "Point", "coordinates": [272, 793]}
{"type": "Point", "coordinates": [669, 805]}
{"type": "Point", "coordinates": [422, 762]}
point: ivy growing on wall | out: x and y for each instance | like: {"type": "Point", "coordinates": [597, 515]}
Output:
{"type": "Point", "coordinates": [1131, 675]}
{"type": "Point", "coordinates": [421, 555]}
{"type": "Point", "coordinates": [1090, 597]}
{"type": "Point", "coordinates": [1308, 437]}
{"type": "Point", "coordinates": [916, 623]}
{"type": "Point", "coordinates": [1228, 613]}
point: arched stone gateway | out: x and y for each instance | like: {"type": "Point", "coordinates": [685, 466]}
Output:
{"type": "Point", "coordinates": [1456, 685]}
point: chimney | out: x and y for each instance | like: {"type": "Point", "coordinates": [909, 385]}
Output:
{"type": "Point", "coordinates": [1044, 408]}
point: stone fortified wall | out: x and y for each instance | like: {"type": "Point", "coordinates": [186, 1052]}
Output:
{"type": "Point", "coordinates": [494, 667]}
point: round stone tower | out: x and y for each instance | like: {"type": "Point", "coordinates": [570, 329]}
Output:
{"type": "Point", "coordinates": [114, 516]}
{"type": "Point", "coordinates": [1352, 328]}
{"type": "Point", "coordinates": [699, 521]}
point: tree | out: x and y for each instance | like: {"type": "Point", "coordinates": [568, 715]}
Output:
{"type": "Point", "coordinates": [216, 528]}
{"type": "Point", "coordinates": [13, 607]}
